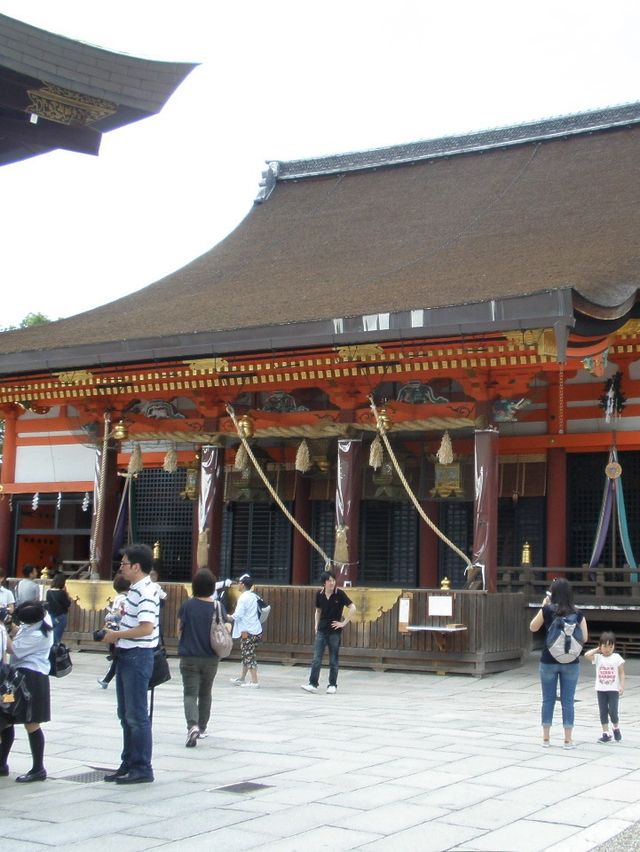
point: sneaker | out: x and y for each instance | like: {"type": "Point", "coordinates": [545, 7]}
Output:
{"type": "Point", "coordinates": [546, 744]}
{"type": "Point", "coordinates": [103, 683]}
{"type": "Point", "coordinates": [192, 737]}
{"type": "Point", "coordinates": [617, 735]}
{"type": "Point", "coordinates": [202, 734]}
{"type": "Point", "coordinates": [309, 687]}
{"type": "Point", "coordinates": [250, 685]}
{"type": "Point", "coordinates": [331, 690]}
{"type": "Point", "coordinates": [569, 745]}
{"type": "Point", "coordinates": [237, 680]}
{"type": "Point", "coordinates": [605, 738]}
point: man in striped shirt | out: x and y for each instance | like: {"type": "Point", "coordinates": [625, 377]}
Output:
{"type": "Point", "coordinates": [135, 643]}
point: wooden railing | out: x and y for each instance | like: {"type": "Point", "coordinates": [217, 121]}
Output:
{"type": "Point", "coordinates": [599, 582]}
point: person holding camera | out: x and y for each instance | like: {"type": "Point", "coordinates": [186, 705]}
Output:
{"type": "Point", "coordinates": [135, 641]}
{"type": "Point", "coordinates": [58, 604]}
{"type": "Point", "coordinates": [29, 646]}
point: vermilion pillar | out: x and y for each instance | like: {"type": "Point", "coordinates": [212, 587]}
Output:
{"type": "Point", "coordinates": [105, 502]}
{"type": "Point", "coordinates": [556, 510]}
{"type": "Point", "coordinates": [428, 547]}
{"type": "Point", "coordinates": [8, 475]}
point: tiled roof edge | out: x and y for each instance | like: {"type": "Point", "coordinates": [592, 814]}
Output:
{"type": "Point", "coordinates": [552, 128]}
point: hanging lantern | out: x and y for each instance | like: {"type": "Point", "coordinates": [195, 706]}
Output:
{"type": "Point", "coordinates": [376, 453]}
{"type": "Point", "coordinates": [170, 463]}
{"type": "Point", "coordinates": [303, 457]}
{"type": "Point", "coordinates": [384, 421]}
{"type": "Point", "coordinates": [445, 453]}
{"type": "Point", "coordinates": [120, 431]}
{"type": "Point", "coordinates": [136, 465]}
{"type": "Point", "coordinates": [246, 426]}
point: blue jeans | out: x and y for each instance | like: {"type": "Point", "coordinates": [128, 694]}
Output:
{"type": "Point", "coordinates": [132, 681]}
{"type": "Point", "coordinates": [332, 639]}
{"type": "Point", "coordinates": [550, 674]}
{"type": "Point", "coordinates": [59, 626]}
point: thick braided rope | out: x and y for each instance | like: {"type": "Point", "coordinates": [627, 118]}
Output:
{"type": "Point", "coordinates": [272, 491]}
{"type": "Point", "coordinates": [383, 434]}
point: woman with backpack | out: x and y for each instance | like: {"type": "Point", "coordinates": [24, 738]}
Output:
{"type": "Point", "coordinates": [566, 632]}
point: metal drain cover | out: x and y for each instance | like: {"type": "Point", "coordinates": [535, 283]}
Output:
{"type": "Point", "coordinates": [85, 777]}
{"type": "Point", "coordinates": [244, 787]}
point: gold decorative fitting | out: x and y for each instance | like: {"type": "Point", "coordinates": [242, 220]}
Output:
{"type": "Point", "coordinates": [525, 558]}
{"type": "Point", "coordinates": [384, 421]}
{"type": "Point", "coordinates": [613, 470]}
{"type": "Point", "coordinates": [360, 353]}
{"type": "Point", "coordinates": [120, 431]}
{"type": "Point", "coordinates": [67, 107]}
{"type": "Point", "coordinates": [246, 426]}
{"type": "Point", "coordinates": [75, 377]}
{"type": "Point", "coordinates": [157, 553]}
{"type": "Point", "coordinates": [445, 583]}
{"type": "Point", "coordinates": [208, 365]}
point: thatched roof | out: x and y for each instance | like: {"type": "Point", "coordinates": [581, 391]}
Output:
{"type": "Point", "coordinates": [497, 230]}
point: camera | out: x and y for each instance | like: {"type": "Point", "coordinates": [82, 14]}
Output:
{"type": "Point", "coordinates": [98, 635]}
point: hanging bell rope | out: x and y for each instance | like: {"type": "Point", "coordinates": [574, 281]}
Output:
{"type": "Point", "coordinates": [99, 497]}
{"type": "Point", "coordinates": [303, 457]}
{"type": "Point", "coordinates": [383, 425]}
{"type": "Point", "coordinates": [270, 488]}
{"type": "Point", "coordinates": [170, 463]}
{"type": "Point", "coordinates": [445, 453]}
{"type": "Point", "coordinates": [202, 552]}
{"type": "Point", "coordinates": [135, 465]}
{"type": "Point", "coordinates": [376, 453]}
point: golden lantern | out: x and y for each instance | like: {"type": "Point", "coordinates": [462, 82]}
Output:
{"type": "Point", "coordinates": [246, 426]}
{"type": "Point", "coordinates": [120, 431]}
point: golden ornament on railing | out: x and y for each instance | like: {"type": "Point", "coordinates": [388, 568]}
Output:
{"type": "Point", "coordinates": [120, 431]}
{"type": "Point", "coordinates": [445, 583]}
{"type": "Point", "coordinates": [157, 553]}
{"type": "Point", "coordinates": [246, 427]}
{"type": "Point", "coordinates": [384, 421]}
{"type": "Point", "coordinates": [525, 558]}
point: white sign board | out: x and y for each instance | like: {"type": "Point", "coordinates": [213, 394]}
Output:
{"type": "Point", "coordinates": [441, 605]}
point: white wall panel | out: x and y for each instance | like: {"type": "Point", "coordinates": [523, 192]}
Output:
{"type": "Point", "coordinates": [62, 463]}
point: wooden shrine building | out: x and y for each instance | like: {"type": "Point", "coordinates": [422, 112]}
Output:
{"type": "Point", "coordinates": [481, 287]}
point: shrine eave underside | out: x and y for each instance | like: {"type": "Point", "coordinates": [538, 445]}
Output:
{"type": "Point", "coordinates": [551, 309]}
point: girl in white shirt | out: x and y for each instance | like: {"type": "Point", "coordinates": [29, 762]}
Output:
{"type": "Point", "coordinates": [609, 683]}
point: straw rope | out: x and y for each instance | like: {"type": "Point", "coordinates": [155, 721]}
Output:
{"type": "Point", "coordinates": [383, 434]}
{"type": "Point", "coordinates": [271, 490]}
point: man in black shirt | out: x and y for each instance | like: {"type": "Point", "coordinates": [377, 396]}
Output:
{"type": "Point", "coordinates": [330, 603]}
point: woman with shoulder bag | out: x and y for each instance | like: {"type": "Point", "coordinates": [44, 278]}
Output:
{"type": "Point", "coordinates": [30, 647]}
{"type": "Point", "coordinates": [198, 661]}
{"type": "Point", "coordinates": [559, 602]}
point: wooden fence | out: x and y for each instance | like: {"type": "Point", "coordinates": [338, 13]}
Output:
{"type": "Point", "coordinates": [496, 638]}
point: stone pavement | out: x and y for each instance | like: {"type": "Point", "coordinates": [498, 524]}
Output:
{"type": "Point", "coordinates": [394, 761]}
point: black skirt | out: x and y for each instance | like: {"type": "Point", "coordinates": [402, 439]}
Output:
{"type": "Point", "coordinates": [38, 685]}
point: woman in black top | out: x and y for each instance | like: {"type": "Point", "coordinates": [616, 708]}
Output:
{"type": "Point", "coordinates": [198, 661]}
{"type": "Point", "coordinates": [58, 603]}
{"type": "Point", "coordinates": [551, 671]}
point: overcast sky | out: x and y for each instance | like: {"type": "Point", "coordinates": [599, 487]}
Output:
{"type": "Point", "coordinates": [279, 80]}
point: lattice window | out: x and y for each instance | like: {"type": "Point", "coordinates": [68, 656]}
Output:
{"type": "Point", "coordinates": [388, 544]}
{"type": "Point", "coordinates": [585, 487]}
{"type": "Point", "coordinates": [456, 522]}
{"type": "Point", "coordinates": [323, 531]}
{"type": "Point", "coordinates": [257, 540]}
{"type": "Point", "coordinates": [160, 514]}
{"type": "Point", "coordinates": [519, 521]}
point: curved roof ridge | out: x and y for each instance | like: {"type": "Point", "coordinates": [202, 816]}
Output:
{"type": "Point", "coordinates": [548, 128]}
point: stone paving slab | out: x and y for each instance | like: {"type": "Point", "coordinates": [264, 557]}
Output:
{"type": "Point", "coordinates": [393, 761]}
